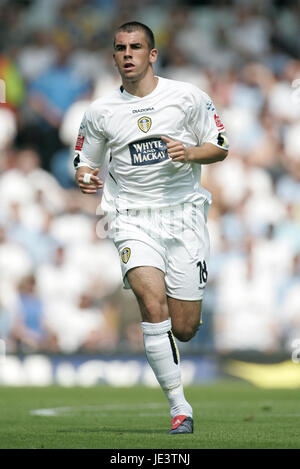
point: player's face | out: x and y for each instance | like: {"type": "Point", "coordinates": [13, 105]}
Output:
{"type": "Point", "coordinates": [132, 55]}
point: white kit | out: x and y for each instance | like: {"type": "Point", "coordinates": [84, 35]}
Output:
{"type": "Point", "coordinates": [157, 207]}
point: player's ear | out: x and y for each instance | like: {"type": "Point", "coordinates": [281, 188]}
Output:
{"type": "Point", "coordinates": [153, 55]}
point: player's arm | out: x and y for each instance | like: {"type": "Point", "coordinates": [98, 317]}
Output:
{"type": "Point", "coordinates": [89, 153]}
{"type": "Point", "coordinates": [204, 121]}
{"type": "Point", "coordinates": [204, 154]}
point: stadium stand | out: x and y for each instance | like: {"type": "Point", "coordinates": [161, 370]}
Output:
{"type": "Point", "coordinates": [60, 284]}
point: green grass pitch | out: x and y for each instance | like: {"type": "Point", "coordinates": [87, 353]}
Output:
{"type": "Point", "coordinates": [230, 414]}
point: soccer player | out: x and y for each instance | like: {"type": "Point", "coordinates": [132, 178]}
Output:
{"type": "Point", "coordinates": [158, 133]}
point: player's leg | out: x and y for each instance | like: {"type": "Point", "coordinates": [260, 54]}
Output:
{"type": "Point", "coordinates": [187, 273]}
{"type": "Point", "coordinates": [186, 318]}
{"type": "Point", "coordinates": [148, 286]}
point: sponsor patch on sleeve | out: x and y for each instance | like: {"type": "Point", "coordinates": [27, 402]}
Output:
{"type": "Point", "coordinates": [148, 151]}
{"type": "Point", "coordinates": [79, 142]}
{"type": "Point", "coordinates": [218, 122]}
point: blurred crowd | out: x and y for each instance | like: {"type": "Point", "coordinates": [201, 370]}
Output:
{"type": "Point", "coordinates": [60, 283]}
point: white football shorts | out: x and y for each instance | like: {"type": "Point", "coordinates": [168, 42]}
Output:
{"type": "Point", "coordinates": [173, 239]}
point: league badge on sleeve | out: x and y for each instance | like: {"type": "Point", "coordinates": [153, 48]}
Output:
{"type": "Point", "coordinates": [76, 160]}
{"type": "Point", "coordinates": [223, 140]}
{"type": "Point", "coordinates": [144, 124]}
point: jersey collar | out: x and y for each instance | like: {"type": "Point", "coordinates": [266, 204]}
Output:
{"type": "Point", "coordinates": [128, 96]}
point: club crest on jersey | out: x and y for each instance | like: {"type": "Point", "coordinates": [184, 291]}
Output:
{"type": "Point", "coordinates": [144, 124]}
{"type": "Point", "coordinates": [125, 255]}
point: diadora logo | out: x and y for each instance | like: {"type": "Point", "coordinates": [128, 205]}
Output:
{"type": "Point", "coordinates": [150, 151]}
{"type": "Point", "coordinates": [144, 124]}
{"type": "Point", "coordinates": [147, 109]}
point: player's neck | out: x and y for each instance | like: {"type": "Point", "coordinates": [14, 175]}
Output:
{"type": "Point", "coordinates": [141, 87]}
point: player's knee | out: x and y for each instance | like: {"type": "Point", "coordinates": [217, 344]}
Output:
{"type": "Point", "coordinates": [154, 309]}
{"type": "Point", "coordinates": [185, 333]}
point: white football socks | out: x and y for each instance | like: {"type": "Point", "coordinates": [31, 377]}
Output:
{"type": "Point", "coordinates": [163, 357]}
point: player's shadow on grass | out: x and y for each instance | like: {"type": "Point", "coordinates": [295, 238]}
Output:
{"type": "Point", "coordinates": [119, 431]}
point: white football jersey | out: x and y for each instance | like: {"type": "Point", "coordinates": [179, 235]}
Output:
{"type": "Point", "coordinates": [140, 172]}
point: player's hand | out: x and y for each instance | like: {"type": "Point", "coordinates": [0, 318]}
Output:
{"type": "Point", "coordinates": [94, 184]}
{"type": "Point", "coordinates": [176, 150]}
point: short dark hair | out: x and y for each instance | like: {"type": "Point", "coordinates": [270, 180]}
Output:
{"type": "Point", "coordinates": [135, 25]}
